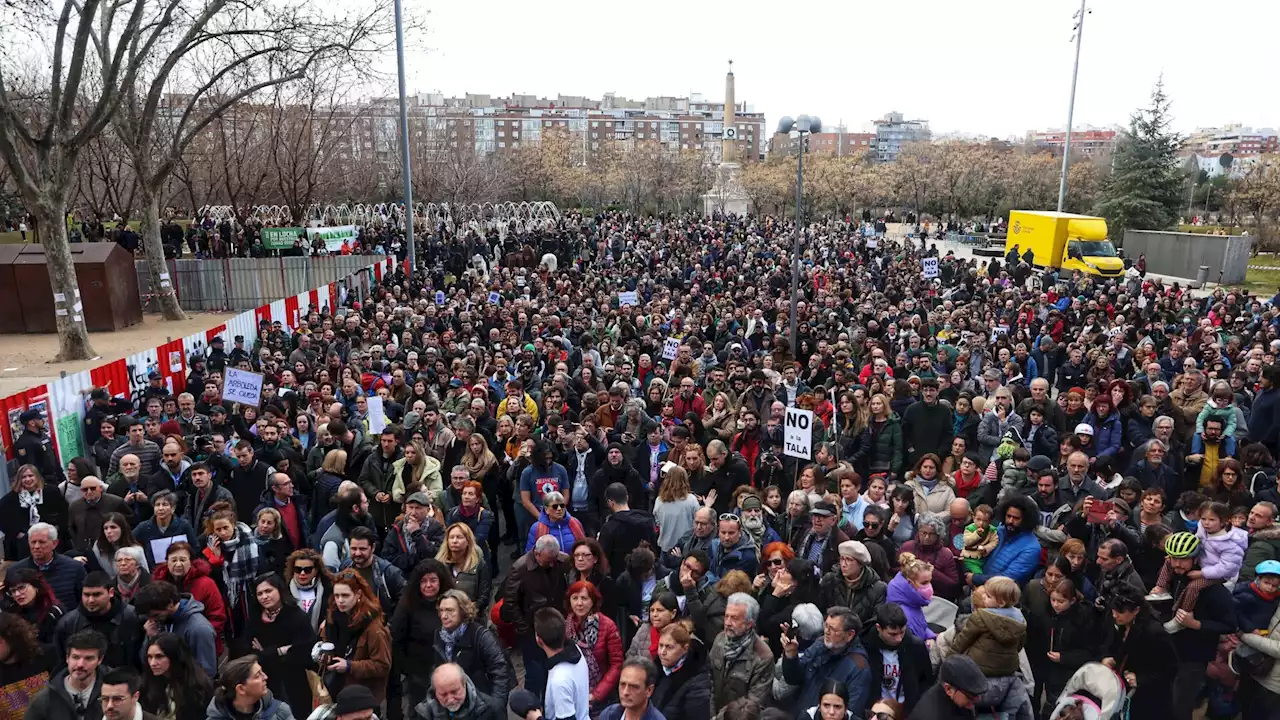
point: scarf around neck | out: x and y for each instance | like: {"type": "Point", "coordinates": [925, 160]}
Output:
{"type": "Point", "coordinates": [450, 640]}
{"type": "Point", "coordinates": [735, 648]}
{"type": "Point", "coordinates": [585, 633]}
{"type": "Point", "coordinates": [31, 500]}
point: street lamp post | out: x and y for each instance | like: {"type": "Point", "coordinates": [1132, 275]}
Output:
{"type": "Point", "coordinates": [404, 146]}
{"type": "Point", "coordinates": [1071, 107]}
{"type": "Point", "coordinates": [803, 125]}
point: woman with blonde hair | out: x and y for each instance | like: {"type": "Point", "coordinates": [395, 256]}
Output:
{"type": "Point", "coordinates": [362, 644]}
{"type": "Point", "coordinates": [472, 645]}
{"type": "Point", "coordinates": [332, 472]}
{"type": "Point", "coordinates": [912, 589]}
{"type": "Point", "coordinates": [720, 419]}
{"type": "Point", "coordinates": [462, 555]}
{"type": "Point", "coordinates": [416, 467]}
{"type": "Point", "coordinates": [268, 534]}
{"type": "Point", "coordinates": [674, 507]}
{"type": "Point", "coordinates": [28, 503]}
{"type": "Point", "coordinates": [694, 464]}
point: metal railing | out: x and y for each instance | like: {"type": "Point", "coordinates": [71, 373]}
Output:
{"type": "Point", "coordinates": [234, 284]}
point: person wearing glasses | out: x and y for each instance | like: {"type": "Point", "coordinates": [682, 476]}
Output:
{"type": "Point", "coordinates": [310, 583]}
{"type": "Point", "coordinates": [955, 695]}
{"type": "Point", "coordinates": [555, 520]}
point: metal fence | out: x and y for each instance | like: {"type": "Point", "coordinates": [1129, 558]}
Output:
{"type": "Point", "coordinates": [247, 283]}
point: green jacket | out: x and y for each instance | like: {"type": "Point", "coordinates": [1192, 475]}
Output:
{"type": "Point", "coordinates": [886, 448]}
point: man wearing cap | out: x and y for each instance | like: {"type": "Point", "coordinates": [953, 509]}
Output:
{"type": "Point", "coordinates": [217, 355]}
{"type": "Point", "coordinates": [955, 695]}
{"type": "Point", "coordinates": [101, 407]}
{"type": "Point", "coordinates": [927, 425]}
{"type": "Point", "coordinates": [821, 542]}
{"type": "Point", "coordinates": [416, 537]}
{"type": "Point", "coordinates": [853, 584]}
{"type": "Point", "coordinates": [33, 447]}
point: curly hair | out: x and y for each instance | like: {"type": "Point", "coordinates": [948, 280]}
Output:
{"type": "Point", "coordinates": [412, 594]}
{"type": "Point", "coordinates": [1027, 506]}
{"type": "Point", "coordinates": [20, 636]}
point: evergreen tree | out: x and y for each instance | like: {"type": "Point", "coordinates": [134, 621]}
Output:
{"type": "Point", "coordinates": [1146, 183]}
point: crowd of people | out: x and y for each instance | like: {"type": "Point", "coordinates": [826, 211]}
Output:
{"type": "Point", "coordinates": [497, 487]}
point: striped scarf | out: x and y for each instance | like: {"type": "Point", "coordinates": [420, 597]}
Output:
{"type": "Point", "coordinates": [240, 564]}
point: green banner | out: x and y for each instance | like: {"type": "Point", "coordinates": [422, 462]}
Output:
{"type": "Point", "coordinates": [280, 238]}
{"type": "Point", "coordinates": [70, 442]}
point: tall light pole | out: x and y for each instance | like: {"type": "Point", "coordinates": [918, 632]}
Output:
{"type": "Point", "coordinates": [404, 145]}
{"type": "Point", "coordinates": [1078, 38]}
{"type": "Point", "coordinates": [803, 125]}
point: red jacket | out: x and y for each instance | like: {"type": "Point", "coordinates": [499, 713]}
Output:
{"type": "Point", "coordinates": [695, 405]}
{"type": "Point", "coordinates": [608, 655]}
{"type": "Point", "coordinates": [201, 587]}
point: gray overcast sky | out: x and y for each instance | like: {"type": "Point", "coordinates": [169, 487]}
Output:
{"type": "Point", "coordinates": [994, 67]}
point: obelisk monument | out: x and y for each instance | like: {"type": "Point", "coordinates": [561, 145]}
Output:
{"type": "Point", "coordinates": [726, 195]}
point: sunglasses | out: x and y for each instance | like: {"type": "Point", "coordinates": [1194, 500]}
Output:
{"type": "Point", "coordinates": [304, 569]}
{"type": "Point", "coordinates": [777, 562]}
{"type": "Point", "coordinates": [872, 526]}
{"type": "Point", "coordinates": [557, 506]}
{"type": "Point", "coordinates": [730, 517]}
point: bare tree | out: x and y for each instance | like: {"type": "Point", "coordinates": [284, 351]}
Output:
{"type": "Point", "coordinates": [227, 52]}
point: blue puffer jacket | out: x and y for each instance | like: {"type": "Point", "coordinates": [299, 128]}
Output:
{"type": "Point", "coordinates": [1016, 556]}
{"type": "Point", "coordinates": [1108, 433]}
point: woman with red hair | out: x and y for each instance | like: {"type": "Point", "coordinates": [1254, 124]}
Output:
{"type": "Point", "coordinates": [362, 644]}
{"type": "Point", "coordinates": [597, 637]}
{"type": "Point", "coordinates": [29, 597]}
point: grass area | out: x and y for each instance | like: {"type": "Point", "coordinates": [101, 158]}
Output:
{"type": "Point", "coordinates": [1262, 282]}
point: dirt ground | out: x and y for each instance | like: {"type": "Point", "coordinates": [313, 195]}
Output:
{"type": "Point", "coordinates": [24, 359]}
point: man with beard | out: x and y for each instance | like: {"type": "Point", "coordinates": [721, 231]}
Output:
{"type": "Point", "coordinates": [376, 478]}
{"type": "Point", "coordinates": [624, 529]}
{"type": "Point", "coordinates": [100, 610]}
{"type": "Point", "coordinates": [582, 460]}
{"type": "Point", "coordinates": [72, 693]}
{"type": "Point", "coordinates": [1049, 499]}
{"type": "Point", "coordinates": [454, 697]}
{"type": "Point", "coordinates": [1115, 568]}
{"type": "Point", "coordinates": [733, 550]}
{"type": "Point", "coordinates": [616, 470]}
{"type": "Point", "coordinates": [352, 511]}
{"type": "Point", "coordinates": [739, 658]}
{"type": "Point", "coordinates": [543, 475]}
{"type": "Point", "coordinates": [697, 539]}
{"type": "Point", "coordinates": [839, 656]}
{"type": "Point", "coordinates": [203, 496]}
{"type": "Point", "coordinates": [753, 523]}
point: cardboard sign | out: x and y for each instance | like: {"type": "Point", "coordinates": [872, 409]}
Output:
{"type": "Point", "coordinates": [797, 434]}
{"type": "Point", "coordinates": [670, 348]}
{"type": "Point", "coordinates": [628, 298]}
{"type": "Point", "coordinates": [377, 415]}
{"type": "Point", "coordinates": [241, 386]}
{"type": "Point", "coordinates": [929, 268]}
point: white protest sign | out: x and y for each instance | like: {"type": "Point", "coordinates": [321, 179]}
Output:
{"type": "Point", "coordinates": [377, 415]}
{"type": "Point", "coordinates": [872, 243]}
{"type": "Point", "coordinates": [929, 268]}
{"type": "Point", "coordinates": [627, 298]}
{"type": "Point", "coordinates": [797, 434]}
{"type": "Point", "coordinates": [670, 348]}
{"type": "Point", "coordinates": [242, 387]}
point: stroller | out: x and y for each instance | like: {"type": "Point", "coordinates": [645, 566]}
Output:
{"type": "Point", "coordinates": [1094, 692]}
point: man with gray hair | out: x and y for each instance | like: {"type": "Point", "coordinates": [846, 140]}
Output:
{"type": "Point", "coordinates": [725, 473]}
{"type": "Point", "coordinates": [454, 697]}
{"type": "Point", "coordinates": [840, 656]}
{"type": "Point", "coordinates": [739, 658]}
{"type": "Point", "coordinates": [698, 538]}
{"type": "Point", "coordinates": [64, 575]}
{"type": "Point", "coordinates": [538, 579]}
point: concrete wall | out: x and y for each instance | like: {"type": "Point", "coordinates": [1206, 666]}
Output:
{"type": "Point", "coordinates": [1181, 254]}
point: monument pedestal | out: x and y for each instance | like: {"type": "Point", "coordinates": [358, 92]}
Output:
{"type": "Point", "coordinates": [726, 195]}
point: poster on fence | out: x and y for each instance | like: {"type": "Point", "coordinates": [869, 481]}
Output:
{"type": "Point", "coordinates": [334, 237]}
{"type": "Point", "coordinates": [281, 238]}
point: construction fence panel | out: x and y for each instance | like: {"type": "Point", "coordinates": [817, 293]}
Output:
{"type": "Point", "coordinates": [246, 283]}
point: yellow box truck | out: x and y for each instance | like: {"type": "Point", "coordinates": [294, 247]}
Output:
{"type": "Point", "coordinates": [1065, 241]}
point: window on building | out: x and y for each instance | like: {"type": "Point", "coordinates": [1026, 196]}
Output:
{"type": "Point", "coordinates": [501, 144]}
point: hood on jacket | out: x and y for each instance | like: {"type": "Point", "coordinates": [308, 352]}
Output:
{"type": "Point", "coordinates": [268, 709]}
{"type": "Point", "coordinates": [199, 568]}
{"type": "Point", "coordinates": [1270, 533]}
{"type": "Point", "coordinates": [1006, 625]}
{"type": "Point", "coordinates": [901, 591]}
{"type": "Point", "coordinates": [570, 654]}
{"type": "Point", "coordinates": [637, 519]}
{"type": "Point", "coordinates": [188, 607]}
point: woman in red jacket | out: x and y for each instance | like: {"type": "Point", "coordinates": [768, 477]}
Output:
{"type": "Point", "coordinates": [190, 575]}
{"type": "Point", "coordinates": [598, 638]}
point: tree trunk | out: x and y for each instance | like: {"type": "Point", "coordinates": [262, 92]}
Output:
{"type": "Point", "coordinates": [153, 254]}
{"type": "Point", "coordinates": [73, 334]}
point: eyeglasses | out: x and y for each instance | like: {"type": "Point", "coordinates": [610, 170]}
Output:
{"type": "Point", "coordinates": [304, 569]}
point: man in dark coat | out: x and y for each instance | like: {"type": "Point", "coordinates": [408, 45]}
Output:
{"type": "Point", "coordinates": [900, 665]}
{"type": "Point", "coordinates": [954, 696]}
{"type": "Point", "coordinates": [927, 425]}
{"type": "Point", "coordinates": [89, 511]}
{"type": "Point", "coordinates": [102, 611]}
{"type": "Point", "coordinates": [247, 482]}
{"type": "Point", "coordinates": [539, 579]}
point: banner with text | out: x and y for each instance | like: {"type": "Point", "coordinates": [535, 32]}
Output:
{"type": "Point", "coordinates": [334, 237]}
{"type": "Point", "coordinates": [280, 238]}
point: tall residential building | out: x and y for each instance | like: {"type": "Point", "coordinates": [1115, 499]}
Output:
{"type": "Point", "coordinates": [1235, 139]}
{"type": "Point", "coordinates": [892, 132]}
{"type": "Point", "coordinates": [1087, 140]}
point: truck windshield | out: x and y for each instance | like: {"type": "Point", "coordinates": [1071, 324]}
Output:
{"type": "Point", "coordinates": [1092, 248]}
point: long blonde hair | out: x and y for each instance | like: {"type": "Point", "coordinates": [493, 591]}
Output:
{"type": "Point", "coordinates": [675, 485]}
{"type": "Point", "coordinates": [474, 557]}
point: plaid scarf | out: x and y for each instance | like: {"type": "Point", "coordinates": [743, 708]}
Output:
{"type": "Point", "coordinates": [240, 564]}
{"type": "Point", "coordinates": [586, 632]}
{"type": "Point", "coordinates": [736, 647]}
